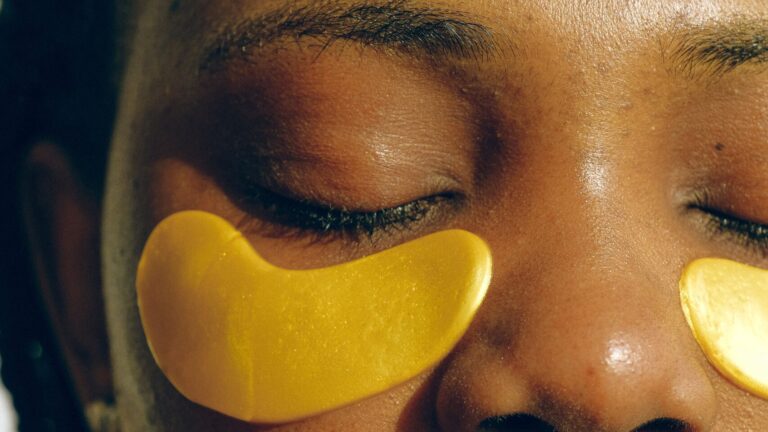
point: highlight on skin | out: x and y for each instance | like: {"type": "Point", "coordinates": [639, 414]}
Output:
{"type": "Point", "coordinates": [576, 151]}
{"type": "Point", "coordinates": [268, 345]}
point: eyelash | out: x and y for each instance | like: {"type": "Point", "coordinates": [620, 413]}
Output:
{"type": "Point", "coordinates": [325, 222]}
{"type": "Point", "coordinates": [751, 235]}
{"type": "Point", "coordinates": [302, 217]}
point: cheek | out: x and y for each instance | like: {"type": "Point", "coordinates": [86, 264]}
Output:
{"type": "Point", "coordinates": [271, 345]}
{"type": "Point", "coordinates": [409, 407]}
{"type": "Point", "coordinates": [175, 186]}
{"type": "Point", "coordinates": [739, 410]}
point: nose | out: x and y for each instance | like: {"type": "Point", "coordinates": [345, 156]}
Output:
{"type": "Point", "coordinates": [582, 340]}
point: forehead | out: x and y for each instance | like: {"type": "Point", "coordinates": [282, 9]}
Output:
{"type": "Point", "coordinates": [579, 18]}
{"type": "Point", "coordinates": [585, 33]}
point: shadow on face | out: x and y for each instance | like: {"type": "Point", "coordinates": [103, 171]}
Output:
{"type": "Point", "coordinates": [597, 147]}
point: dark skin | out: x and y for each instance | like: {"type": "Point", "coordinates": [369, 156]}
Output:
{"type": "Point", "coordinates": [597, 147]}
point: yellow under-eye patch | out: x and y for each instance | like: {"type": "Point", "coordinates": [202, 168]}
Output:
{"type": "Point", "coordinates": [264, 344]}
{"type": "Point", "coordinates": [726, 305]}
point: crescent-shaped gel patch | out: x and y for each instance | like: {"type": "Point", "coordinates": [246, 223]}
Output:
{"type": "Point", "coordinates": [263, 344]}
{"type": "Point", "coordinates": [726, 305]}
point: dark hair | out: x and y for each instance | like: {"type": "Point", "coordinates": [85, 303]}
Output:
{"type": "Point", "coordinates": [57, 83]}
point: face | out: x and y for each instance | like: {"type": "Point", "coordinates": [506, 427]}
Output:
{"type": "Point", "coordinates": [597, 147]}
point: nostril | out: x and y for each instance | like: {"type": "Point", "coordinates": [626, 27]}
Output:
{"type": "Point", "coordinates": [664, 425]}
{"type": "Point", "coordinates": [515, 423]}
{"type": "Point", "coordinates": [529, 423]}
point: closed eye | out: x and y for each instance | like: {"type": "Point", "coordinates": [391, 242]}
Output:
{"type": "Point", "coordinates": [749, 234]}
{"type": "Point", "coordinates": [323, 221]}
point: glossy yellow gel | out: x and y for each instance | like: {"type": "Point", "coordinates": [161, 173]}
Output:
{"type": "Point", "coordinates": [726, 305]}
{"type": "Point", "coordinates": [264, 344]}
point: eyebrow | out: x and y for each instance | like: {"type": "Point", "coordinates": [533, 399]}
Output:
{"type": "Point", "coordinates": [717, 50]}
{"type": "Point", "coordinates": [393, 25]}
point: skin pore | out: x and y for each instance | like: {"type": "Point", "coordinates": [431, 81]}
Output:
{"type": "Point", "coordinates": [596, 146]}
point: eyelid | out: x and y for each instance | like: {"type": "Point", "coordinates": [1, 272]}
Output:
{"type": "Point", "coordinates": [751, 234]}
{"type": "Point", "coordinates": [305, 218]}
{"type": "Point", "coordinates": [748, 234]}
